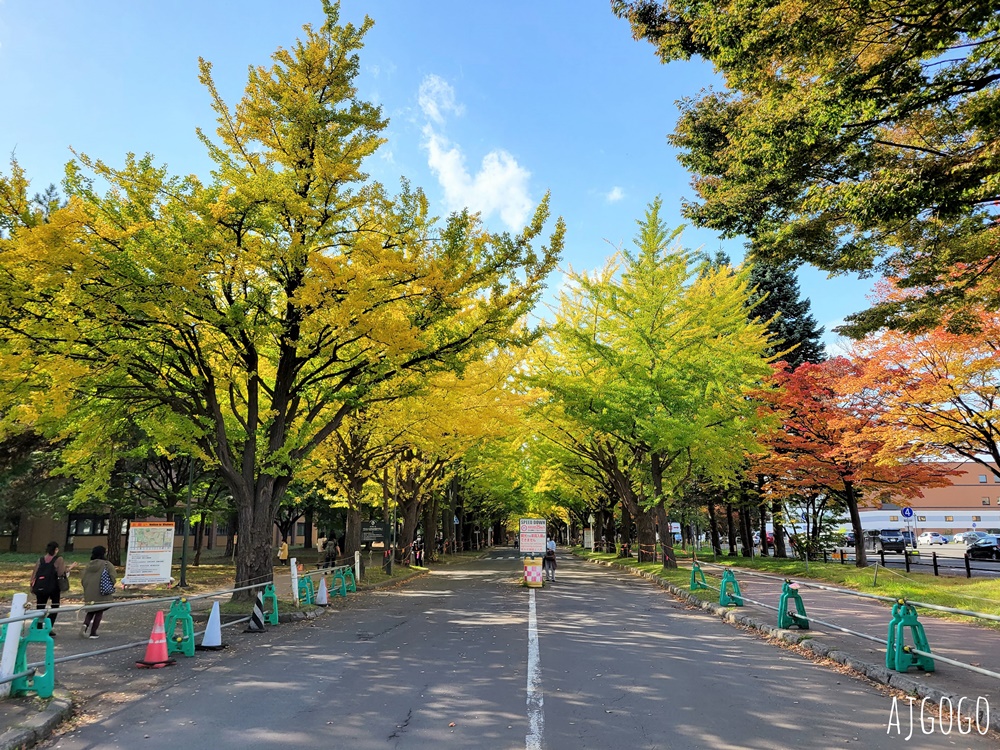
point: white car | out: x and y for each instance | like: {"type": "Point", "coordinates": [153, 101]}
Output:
{"type": "Point", "coordinates": [930, 537]}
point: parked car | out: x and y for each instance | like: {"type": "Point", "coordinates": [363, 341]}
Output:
{"type": "Point", "coordinates": [848, 540]}
{"type": "Point", "coordinates": [908, 537]}
{"type": "Point", "coordinates": [967, 537]}
{"type": "Point", "coordinates": [884, 540]}
{"type": "Point", "coordinates": [985, 548]}
{"type": "Point", "coordinates": [931, 537]}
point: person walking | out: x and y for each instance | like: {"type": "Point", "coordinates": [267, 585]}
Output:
{"type": "Point", "coordinates": [98, 581]}
{"type": "Point", "coordinates": [283, 553]}
{"type": "Point", "coordinates": [49, 570]}
{"type": "Point", "coordinates": [549, 560]}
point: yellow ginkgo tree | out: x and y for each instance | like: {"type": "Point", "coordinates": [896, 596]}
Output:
{"type": "Point", "coordinates": [249, 314]}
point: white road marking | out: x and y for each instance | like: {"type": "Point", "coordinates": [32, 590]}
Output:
{"type": "Point", "coordinates": [536, 717]}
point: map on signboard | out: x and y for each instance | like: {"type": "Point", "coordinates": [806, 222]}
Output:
{"type": "Point", "coordinates": [150, 553]}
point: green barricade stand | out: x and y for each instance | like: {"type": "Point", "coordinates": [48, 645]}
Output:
{"type": "Point", "coordinates": [180, 614]}
{"type": "Point", "coordinates": [725, 598]}
{"type": "Point", "coordinates": [786, 619]}
{"type": "Point", "coordinates": [338, 582]}
{"type": "Point", "coordinates": [898, 656]}
{"type": "Point", "coordinates": [42, 683]}
{"type": "Point", "coordinates": [270, 595]}
{"type": "Point", "coordinates": [307, 591]}
{"type": "Point", "coordinates": [697, 577]}
{"type": "Point", "coordinates": [348, 576]}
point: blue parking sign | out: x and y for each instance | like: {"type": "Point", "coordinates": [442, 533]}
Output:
{"type": "Point", "coordinates": [907, 512]}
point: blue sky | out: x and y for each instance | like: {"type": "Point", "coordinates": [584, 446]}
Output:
{"type": "Point", "coordinates": [490, 104]}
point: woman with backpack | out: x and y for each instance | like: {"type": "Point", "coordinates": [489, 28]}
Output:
{"type": "Point", "coordinates": [98, 581]}
{"type": "Point", "coordinates": [49, 571]}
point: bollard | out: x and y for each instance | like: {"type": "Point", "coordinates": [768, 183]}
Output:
{"type": "Point", "coordinates": [725, 598]}
{"type": "Point", "coordinates": [968, 568]}
{"type": "Point", "coordinates": [697, 577]}
{"type": "Point", "coordinates": [270, 595]}
{"type": "Point", "coordinates": [906, 560]}
{"type": "Point", "coordinates": [180, 613]}
{"type": "Point", "coordinates": [934, 561]}
{"type": "Point", "coordinates": [898, 656]}
{"type": "Point", "coordinates": [785, 618]}
{"type": "Point", "coordinates": [533, 571]}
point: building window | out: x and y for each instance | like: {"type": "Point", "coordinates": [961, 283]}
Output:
{"type": "Point", "coordinates": [949, 519]}
{"type": "Point", "coordinates": [986, 501]}
{"type": "Point", "coordinates": [894, 519]}
{"type": "Point", "coordinates": [921, 518]}
{"type": "Point", "coordinates": [87, 525]}
{"type": "Point", "coordinates": [996, 479]}
{"type": "Point", "coordinates": [300, 530]}
{"type": "Point", "coordinates": [982, 479]}
{"type": "Point", "coordinates": [978, 518]}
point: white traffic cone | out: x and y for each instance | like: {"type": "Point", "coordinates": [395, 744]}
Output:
{"type": "Point", "coordinates": [322, 599]}
{"type": "Point", "coordinates": [212, 639]}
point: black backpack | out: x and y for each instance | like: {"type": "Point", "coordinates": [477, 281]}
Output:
{"type": "Point", "coordinates": [45, 578]}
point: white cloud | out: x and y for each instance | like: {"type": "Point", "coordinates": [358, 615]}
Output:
{"type": "Point", "coordinates": [499, 187]}
{"type": "Point", "coordinates": [615, 195]}
{"type": "Point", "coordinates": [437, 98]}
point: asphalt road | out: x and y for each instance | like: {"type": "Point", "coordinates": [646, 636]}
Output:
{"type": "Point", "coordinates": [466, 657]}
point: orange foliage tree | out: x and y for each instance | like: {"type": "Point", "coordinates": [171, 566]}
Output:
{"type": "Point", "coordinates": [941, 386]}
{"type": "Point", "coordinates": [831, 442]}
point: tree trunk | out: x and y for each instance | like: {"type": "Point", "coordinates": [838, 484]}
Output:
{"type": "Point", "coordinates": [666, 535]}
{"type": "Point", "coordinates": [746, 535]}
{"type": "Point", "coordinates": [779, 530]}
{"type": "Point", "coordinates": [254, 553]}
{"type": "Point", "coordinates": [307, 538]}
{"type": "Point", "coordinates": [430, 527]}
{"type": "Point", "coordinates": [731, 524]}
{"type": "Point", "coordinates": [860, 557]}
{"type": "Point", "coordinates": [352, 532]}
{"type": "Point", "coordinates": [199, 539]}
{"type": "Point", "coordinates": [669, 556]}
{"type": "Point", "coordinates": [114, 551]}
{"type": "Point", "coordinates": [763, 531]}
{"type": "Point", "coordinates": [713, 523]}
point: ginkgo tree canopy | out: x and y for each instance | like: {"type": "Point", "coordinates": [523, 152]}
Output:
{"type": "Point", "coordinates": [246, 316]}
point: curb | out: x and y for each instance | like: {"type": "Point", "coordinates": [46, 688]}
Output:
{"type": "Point", "coordinates": [874, 672]}
{"type": "Point", "coordinates": [40, 726]}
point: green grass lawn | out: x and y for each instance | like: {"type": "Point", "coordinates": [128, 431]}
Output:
{"type": "Point", "coordinates": [975, 594]}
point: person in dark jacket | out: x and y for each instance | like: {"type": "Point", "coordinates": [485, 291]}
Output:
{"type": "Point", "coordinates": [52, 567]}
{"type": "Point", "coordinates": [91, 580]}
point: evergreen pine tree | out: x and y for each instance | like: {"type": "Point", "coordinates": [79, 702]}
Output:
{"type": "Point", "coordinates": [777, 293]}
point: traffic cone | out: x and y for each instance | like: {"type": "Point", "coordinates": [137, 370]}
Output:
{"type": "Point", "coordinates": [322, 599]}
{"type": "Point", "coordinates": [256, 624]}
{"type": "Point", "coordinates": [156, 649]}
{"type": "Point", "coordinates": [212, 639]}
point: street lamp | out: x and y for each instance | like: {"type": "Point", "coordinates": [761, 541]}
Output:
{"type": "Point", "coordinates": [187, 525]}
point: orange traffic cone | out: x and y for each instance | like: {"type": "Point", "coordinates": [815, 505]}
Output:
{"type": "Point", "coordinates": [156, 649]}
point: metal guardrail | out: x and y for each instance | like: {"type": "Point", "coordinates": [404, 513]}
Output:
{"type": "Point", "coordinates": [864, 595]}
{"type": "Point", "coordinates": [37, 614]}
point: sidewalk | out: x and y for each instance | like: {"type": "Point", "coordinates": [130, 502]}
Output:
{"type": "Point", "coordinates": [963, 642]}
{"type": "Point", "coordinates": [113, 678]}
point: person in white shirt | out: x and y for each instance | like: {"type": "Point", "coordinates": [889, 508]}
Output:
{"type": "Point", "coordinates": [549, 560]}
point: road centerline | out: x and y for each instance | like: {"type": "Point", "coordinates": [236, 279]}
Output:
{"type": "Point", "coordinates": [536, 715]}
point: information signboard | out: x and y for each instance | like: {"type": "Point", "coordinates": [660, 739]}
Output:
{"type": "Point", "coordinates": [373, 531]}
{"type": "Point", "coordinates": [150, 553]}
{"type": "Point", "coordinates": [532, 540]}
